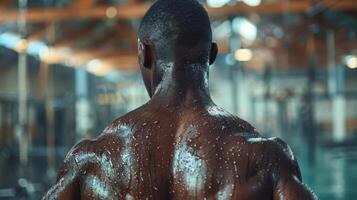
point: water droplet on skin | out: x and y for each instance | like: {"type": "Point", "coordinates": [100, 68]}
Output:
{"type": "Point", "coordinates": [156, 122]}
{"type": "Point", "coordinates": [144, 124]}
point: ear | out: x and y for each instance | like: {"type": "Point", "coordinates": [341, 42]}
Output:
{"type": "Point", "coordinates": [144, 51]}
{"type": "Point", "coordinates": [213, 53]}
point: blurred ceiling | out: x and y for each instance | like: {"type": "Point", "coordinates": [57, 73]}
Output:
{"type": "Point", "coordinates": [101, 34]}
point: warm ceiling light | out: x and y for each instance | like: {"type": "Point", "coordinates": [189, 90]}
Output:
{"type": "Point", "coordinates": [252, 2]}
{"type": "Point", "coordinates": [245, 28]}
{"type": "Point", "coordinates": [50, 55]}
{"type": "Point", "coordinates": [111, 12]}
{"type": "Point", "coordinates": [94, 65]}
{"type": "Point", "coordinates": [21, 45]}
{"type": "Point", "coordinates": [351, 62]}
{"type": "Point", "coordinates": [44, 52]}
{"type": "Point", "coordinates": [243, 55]}
{"type": "Point", "coordinates": [217, 3]}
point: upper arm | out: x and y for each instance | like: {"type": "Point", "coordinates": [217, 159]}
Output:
{"type": "Point", "coordinates": [67, 185]}
{"type": "Point", "coordinates": [287, 178]}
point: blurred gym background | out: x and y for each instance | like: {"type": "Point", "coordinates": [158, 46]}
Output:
{"type": "Point", "coordinates": [69, 67]}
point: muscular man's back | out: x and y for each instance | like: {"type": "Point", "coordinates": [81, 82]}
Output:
{"type": "Point", "coordinates": [200, 153]}
{"type": "Point", "coordinates": [179, 145]}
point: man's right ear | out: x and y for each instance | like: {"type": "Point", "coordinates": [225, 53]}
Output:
{"type": "Point", "coordinates": [213, 53]}
{"type": "Point", "coordinates": [145, 54]}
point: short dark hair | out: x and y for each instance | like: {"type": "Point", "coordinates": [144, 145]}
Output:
{"type": "Point", "coordinates": [178, 24]}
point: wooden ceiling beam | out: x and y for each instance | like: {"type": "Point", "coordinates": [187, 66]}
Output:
{"type": "Point", "coordinates": [135, 11]}
{"type": "Point", "coordinates": [4, 4]}
{"type": "Point", "coordinates": [112, 59]}
{"type": "Point", "coordinates": [38, 34]}
{"type": "Point", "coordinates": [72, 36]}
{"type": "Point", "coordinates": [121, 32]}
{"type": "Point", "coordinates": [83, 4]}
{"type": "Point", "coordinates": [66, 14]}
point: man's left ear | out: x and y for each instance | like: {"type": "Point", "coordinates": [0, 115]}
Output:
{"type": "Point", "coordinates": [213, 53]}
{"type": "Point", "coordinates": [145, 54]}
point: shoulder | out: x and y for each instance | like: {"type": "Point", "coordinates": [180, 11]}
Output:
{"type": "Point", "coordinates": [70, 165]}
{"type": "Point", "coordinates": [83, 145]}
{"type": "Point", "coordinates": [112, 135]}
{"type": "Point", "coordinates": [125, 122]}
{"type": "Point", "coordinates": [80, 150]}
{"type": "Point", "coordinates": [281, 148]}
{"type": "Point", "coordinates": [87, 151]}
{"type": "Point", "coordinates": [272, 154]}
{"type": "Point", "coordinates": [281, 153]}
{"type": "Point", "coordinates": [274, 146]}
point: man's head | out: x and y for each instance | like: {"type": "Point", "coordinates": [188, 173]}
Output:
{"type": "Point", "coordinates": [174, 31]}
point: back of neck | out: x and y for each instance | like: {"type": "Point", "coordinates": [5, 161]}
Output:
{"type": "Point", "coordinates": [184, 84]}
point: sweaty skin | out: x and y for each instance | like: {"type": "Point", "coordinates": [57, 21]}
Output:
{"type": "Point", "coordinates": [179, 145]}
{"type": "Point", "coordinates": [184, 149]}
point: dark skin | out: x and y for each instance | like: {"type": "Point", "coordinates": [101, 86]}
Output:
{"type": "Point", "coordinates": [179, 145]}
